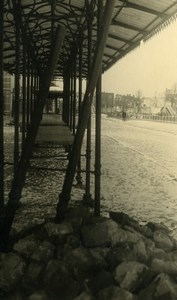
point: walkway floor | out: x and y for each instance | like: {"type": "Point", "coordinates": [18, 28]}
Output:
{"type": "Point", "coordinates": [53, 130]}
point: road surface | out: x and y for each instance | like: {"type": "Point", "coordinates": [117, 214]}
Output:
{"type": "Point", "coordinates": [139, 169]}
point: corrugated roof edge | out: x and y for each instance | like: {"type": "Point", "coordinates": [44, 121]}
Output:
{"type": "Point", "coordinates": [145, 39]}
{"type": "Point", "coordinates": [161, 27]}
{"type": "Point", "coordinates": [129, 51]}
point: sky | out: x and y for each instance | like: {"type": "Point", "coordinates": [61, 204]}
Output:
{"type": "Point", "coordinates": [151, 68]}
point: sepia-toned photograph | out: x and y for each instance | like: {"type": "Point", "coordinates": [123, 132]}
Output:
{"type": "Point", "coordinates": [88, 150]}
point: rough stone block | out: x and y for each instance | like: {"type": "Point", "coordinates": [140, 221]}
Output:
{"type": "Point", "coordinates": [129, 275]}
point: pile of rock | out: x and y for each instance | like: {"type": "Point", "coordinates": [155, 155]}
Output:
{"type": "Point", "coordinates": [87, 258]}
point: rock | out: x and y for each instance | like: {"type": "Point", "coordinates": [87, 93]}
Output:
{"type": "Point", "coordinates": [100, 255]}
{"type": "Point", "coordinates": [140, 252]}
{"type": "Point", "coordinates": [85, 296]}
{"type": "Point", "coordinates": [115, 293]}
{"type": "Point", "coordinates": [173, 255]}
{"type": "Point", "coordinates": [118, 255]}
{"type": "Point", "coordinates": [106, 233]}
{"type": "Point", "coordinates": [156, 227]}
{"type": "Point", "coordinates": [14, 295]}
{"type": "Point", "coordinates": [44, 252]}
{"type": "Point", "coordinates": [81, 263]}
{"type": "Point", "coordinates": [52, 267]}
{"type": "Point", "coordinates": [27, 245]}
{"type": "Point", "coordinates": [38, 295]}
{"type": "Point", "coordinates": [31, 278]}
{"type": "Point", "coordinates": [12, 269]}
{"type": "Point", "coordinates": [100, 234]}
{"type": "Point", "coordinates": [58, 282]}
{"type": "Point", "coordinates": [73, 241]}
{"type": "Point", "coordinates": [121, 237]}
{"type": "Point", "coordinates": [22, 230]}
{"type": "Point", "coordinates": [100, 281]}
{"type": "Point", "coordinates": [159, 254]}
{"type": "Point", "coordinates": [150, 245]}
{"type": "Point", "coordinates": [88, 258]}
{"type": "Point", "coordinates": [124, 219]}
{"type": "Point", "coordinates": [162, 288]}
{"type": "Point", "coordinates": [129, 275]}
{"type": "Point", "coordinates": [58, 233]}
{"type": "Point", "coordinates": [165, 287]}
{"type": "Point", "coordinates": [160, 266]}
{"type": "Point", "coordinates": [163, 241]}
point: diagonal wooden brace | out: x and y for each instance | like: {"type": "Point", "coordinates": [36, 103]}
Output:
{"type": "Point", "coordinates": [64, 197]}
{"type": "Point", "coordinates": [19, 178]}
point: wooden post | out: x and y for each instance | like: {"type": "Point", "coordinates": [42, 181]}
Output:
{"type": "Point", "coordinates": [78, 176]}
{"type": "Point", "coordinates": [87, 198]}
{"type": "Point", "coordinates": [1, 107]}
{"type": "Point", "coordinates": [98, 124]}
{"type": "Point", "coordinates": [74, 95]}
{"type": "Point", "coordinates": [64, 197]}
{"type": "Point", "coordinates": [28, 93]}
{"type": "Point", "coordinates": [17, 86]}
{"type": "Point", "coordinates": [24, 97]}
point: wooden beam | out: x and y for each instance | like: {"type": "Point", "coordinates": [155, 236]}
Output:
{"type": "Point", "coordinates": [145, 9]}
{"type": "Point", "coordinates": [127, 26]}
{"type": "Point", "coordinates": [115, 37]}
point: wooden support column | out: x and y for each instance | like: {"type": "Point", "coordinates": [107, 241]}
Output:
{"type": "Point", "coordinates": [31, 92]}
{"type": "Point", "coordinates": [1, 108]}
{"type": "Point", "coordinates": [98, 148]}
{"type": "Point", "coordinates": [28, 93]}
{"type": "Point", "coordinates": [78, 176]}
{"type": "Point", "coordinates": [71, 96]}
{"type": "Point", "coordinates": [85, 113]}
{"type": "Point", "coordinates": [17, 86]}
{"type": "Point", "coordinates": [87, 198]}
{"type": "Point", "coordinates": [24, 96]}
{"type": "Point", "coordinates": [98, 123]}
{"type": "Point", "coordinates": [66, 96]}
{"type": "Point", "coordinates": [74, 96]}
{"type": "Point", "coordinates": [19, 179]}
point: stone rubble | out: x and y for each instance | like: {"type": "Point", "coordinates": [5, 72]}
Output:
{"type": "Point", "coordinates": [88, 258]}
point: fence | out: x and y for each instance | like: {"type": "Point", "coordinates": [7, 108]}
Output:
{"type": "Point", "coordinates": [170, 119]}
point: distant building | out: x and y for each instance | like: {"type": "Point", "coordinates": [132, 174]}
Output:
{"type": "Point", "coordinates": [171, 98]}
{"type": "Point", "coordinates": [167, 110]}
{"type": "Point", "coordinates": [107, 102]}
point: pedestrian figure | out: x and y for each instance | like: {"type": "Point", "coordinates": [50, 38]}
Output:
{"type": "Point", "coordinates": [124, 115]}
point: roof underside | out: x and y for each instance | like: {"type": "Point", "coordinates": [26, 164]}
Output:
{"type": "Point", "coordinates": [132, 21]}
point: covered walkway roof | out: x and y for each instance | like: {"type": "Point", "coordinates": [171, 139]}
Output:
{"type": "Point", "coordinates": [132, 21]}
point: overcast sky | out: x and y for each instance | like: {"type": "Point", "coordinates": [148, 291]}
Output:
{"type": "Point", "coordinates": [151, 68]}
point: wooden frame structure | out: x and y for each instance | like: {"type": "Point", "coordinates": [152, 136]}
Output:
{"type": "Point", "coordinates": [71, 40]}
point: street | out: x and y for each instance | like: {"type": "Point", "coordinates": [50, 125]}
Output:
{"type": "Point", "coordinates": [139, 169]}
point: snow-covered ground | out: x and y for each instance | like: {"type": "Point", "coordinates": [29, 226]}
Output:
{"type": "Point", "coordinates": [139, 173]}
